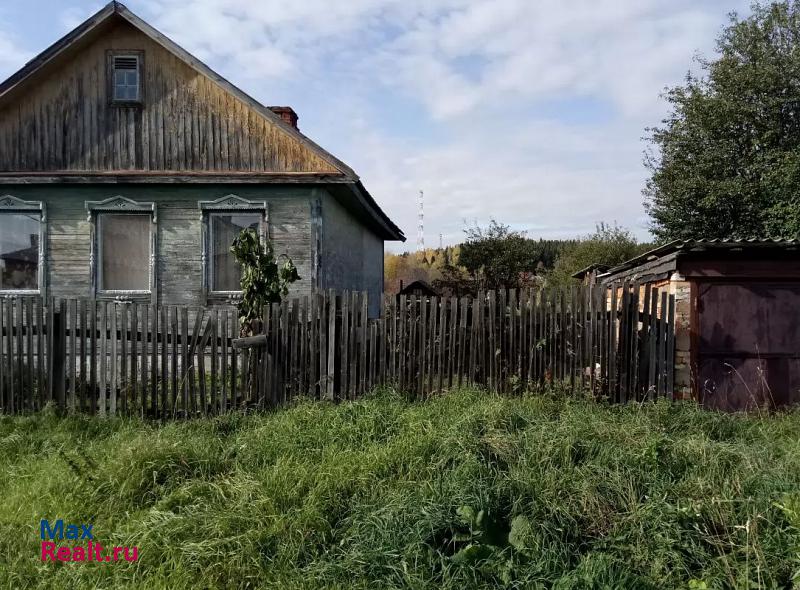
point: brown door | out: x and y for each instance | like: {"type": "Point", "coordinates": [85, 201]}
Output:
{"type": "Point", "coordinates": [749, 344]}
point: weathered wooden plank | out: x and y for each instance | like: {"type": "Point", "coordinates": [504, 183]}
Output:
{"type": "Point", "coordinates": [5, 388]}
{"type": "Point", "coordinates": [102, 375]}
{"type": "Point", "coordinates": [145, 315]}
{"type": "Point", "coordinates": [225, 376]}
{"type": "Point", "coordinates": [92, 394]}
{"type": "Point", "coordinates": [662, 344]}
{"type": "Point", "coordinates": [670, 366]}
{"type": "Point", "coordinates": [624, 358]}
{"type": "Point", "coordinates": [112, 326]}
{"type": "Point", "coordinates": [19, 369]}
{"type": "Point", "coordinates": [402, 316]}
{"type": "Point", "coordinates": [175, 385]}
{"type": "Point", "coordinates": [164, 322]}
{"type": "Point", "coordinates": [304, 376]}
{"type": "Point", "coordinates": [123, 359]}
{"type": "Point", "coordinates": [633, 338]}
{"type": "Point", "coordinates": [29, 390]}
{"type": "Point", "coordinates": [11, 364]}
{"type": "Point", "coordinates": [315, 337]}
{"type": "Point", "coordinates": [462, 341]}
{"type": "Point", "coordinates": [40, 347]}
{"type": "Point", "coordinates": [192, 371]}
{"type": "Point", "coordinates": [134, 358]}
{"type": "Point", "coordinates": [383, 344]}
{"type": "Point", "coordinates": [364, 319]}
{"type": "Point", "coordinates": [372, 344]}
{"type": "Point", "coordinates": [200, 352]}
{"type": "Point", "coordinates": [421, 346]}
{"type": "Point", "coordinates": [473, 370]}
{"type": "Point", "coordinates": [644, 346]}
{"type": "Point", "coordinates": [345, 346]}
{"type": "Point", "coordinates": [154, 326]}
{"type": "Point", "coordinates": [652, 383]}
{"type": "Point", "coordinates": [330, 365]}
{"type": "Point", "coordinates": [214, 359]}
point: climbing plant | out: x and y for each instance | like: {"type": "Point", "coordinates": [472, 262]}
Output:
{"type": "Point", "coordinates": [264, 280]}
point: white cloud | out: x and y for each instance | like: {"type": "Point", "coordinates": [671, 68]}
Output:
{"type": "Point", "coordinates": [527, 111]}
{"type": "Point", "coordinates": [12, 55]}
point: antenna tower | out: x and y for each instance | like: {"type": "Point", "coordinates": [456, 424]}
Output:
{"type": "Point", "coordinates": [421, 223]}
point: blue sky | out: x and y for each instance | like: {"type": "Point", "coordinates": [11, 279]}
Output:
{"type": "Point", "coordinates": [528, 111]}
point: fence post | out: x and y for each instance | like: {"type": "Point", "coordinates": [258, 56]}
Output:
{"type": "Point", "coordinates": [58, 341]}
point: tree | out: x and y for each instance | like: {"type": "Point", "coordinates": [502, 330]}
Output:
{"type": "Point", "coordinates": [263, 280]}
{"type": "Point", "coordinates": [497, 257]}
{"type": "Point", "coordinates": [609, 245]}
{"type": "Point", "coordinates": [726, 161]}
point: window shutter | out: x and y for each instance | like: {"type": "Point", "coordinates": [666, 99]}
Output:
{"type": "Point", "coordinates": [126, 63]}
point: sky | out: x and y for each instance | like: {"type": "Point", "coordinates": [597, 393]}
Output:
{"type": "Point", "coordinates": [530, 112]}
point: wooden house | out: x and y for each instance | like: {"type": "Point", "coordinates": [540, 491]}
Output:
{"type": "Point", "coordinates": [129, 166]}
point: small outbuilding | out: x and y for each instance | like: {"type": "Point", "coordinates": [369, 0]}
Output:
{"type": "Point", "coordinates": [418, 288]}
{"type": "Point", "coordinates": [737, 308]}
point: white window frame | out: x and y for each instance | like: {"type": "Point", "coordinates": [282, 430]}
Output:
{"type": "Point", "coordinates": [136, 54]}
{"type": "Point", "coordinates": [13, 205]}
{"type": "Point", "coordinates": [121, 206]}
{"type": "Point", "coordinates": [227, 205]}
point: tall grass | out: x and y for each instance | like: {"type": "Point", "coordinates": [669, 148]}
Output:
{"type": "Point", "coordinates": [465, 490]}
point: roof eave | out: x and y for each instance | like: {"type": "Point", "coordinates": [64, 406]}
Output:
{"type": "Point", "coordinates": [67, 41]}
{"type": "Point", "coordinates": [393, 232]}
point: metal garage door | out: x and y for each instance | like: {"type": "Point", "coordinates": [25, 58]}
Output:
{"type": "Point", "coordinates": [749, 344]}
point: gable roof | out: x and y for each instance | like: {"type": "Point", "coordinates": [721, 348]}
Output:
{"type": "Point", "coordinates": [115, 10]}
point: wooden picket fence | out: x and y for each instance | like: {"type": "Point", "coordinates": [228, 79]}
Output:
{"type": "Point", "coordinates": [110, 358]}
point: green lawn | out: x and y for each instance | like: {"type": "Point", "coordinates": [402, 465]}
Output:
{"type": "Point", "coordinates": [467, 490]}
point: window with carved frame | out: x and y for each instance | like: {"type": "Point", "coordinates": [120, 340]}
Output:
{"type": "Point", "coordinates": [123, 249]}
{"type": "Point", "coordinates": [22, 246]}
{"type": "Point", "coordinates": [223, 220]}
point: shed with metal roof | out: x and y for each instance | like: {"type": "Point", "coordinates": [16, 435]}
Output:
{"type": "Point", "coordinates": [737, 344]}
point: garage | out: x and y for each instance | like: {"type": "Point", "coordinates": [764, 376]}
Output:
{"type": "Point", "coordinates": [749, 339]}
{"type": "Point", "coordinates": [737, 340]}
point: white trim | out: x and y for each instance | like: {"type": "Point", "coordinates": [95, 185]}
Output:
{"type": "Point", "coordinates": [13, 205]}
{"type": "Point", "coordinates": [121, 206]}
{"type": "Point", "coordinates": [229, 204]}
{"type": "Point", "coordinates": [210, 252]}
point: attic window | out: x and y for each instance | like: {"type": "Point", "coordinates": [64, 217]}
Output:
{"type": "Point", "coordinates": [126, 78]}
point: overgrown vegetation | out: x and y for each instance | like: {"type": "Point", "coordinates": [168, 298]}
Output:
{"type": "Point", "coordinates": [466, 490]}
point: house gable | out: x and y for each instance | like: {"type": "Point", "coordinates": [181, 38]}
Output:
{"type": "Point", "coordinates": [56, 116]}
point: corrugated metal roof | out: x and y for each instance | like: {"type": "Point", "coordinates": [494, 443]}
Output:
{"type": "Point", "coordinates": [702, 244]}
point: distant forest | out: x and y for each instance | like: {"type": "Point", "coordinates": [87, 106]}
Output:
{"type": "Point", "coordinates": [496, 257]}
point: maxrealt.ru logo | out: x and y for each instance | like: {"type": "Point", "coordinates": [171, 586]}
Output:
{"type": "Point", "coordinates": [91, 551]}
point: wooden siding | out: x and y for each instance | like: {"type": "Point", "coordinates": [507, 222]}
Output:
{"type": "Point", "coordinates": [351, 255]}
{"type": "Point", "coordinates": [179, 248]}
{"type": "Point", "coordinates": [61, 120]}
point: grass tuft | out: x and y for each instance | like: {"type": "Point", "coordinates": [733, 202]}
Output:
{"type": "Point", "coordinates": [465, 490]}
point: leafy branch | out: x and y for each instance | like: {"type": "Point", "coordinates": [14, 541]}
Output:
{"type": "Point", "coordinates": [264, 281]}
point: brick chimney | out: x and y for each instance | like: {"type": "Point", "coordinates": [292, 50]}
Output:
{"type": "Point", "coordinates": [287, 114]}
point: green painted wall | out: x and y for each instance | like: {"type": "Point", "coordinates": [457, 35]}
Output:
{"type": "Point", "coordinates": [352, 256]}
{"type": "Point", "coordinates": [179, 256]}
